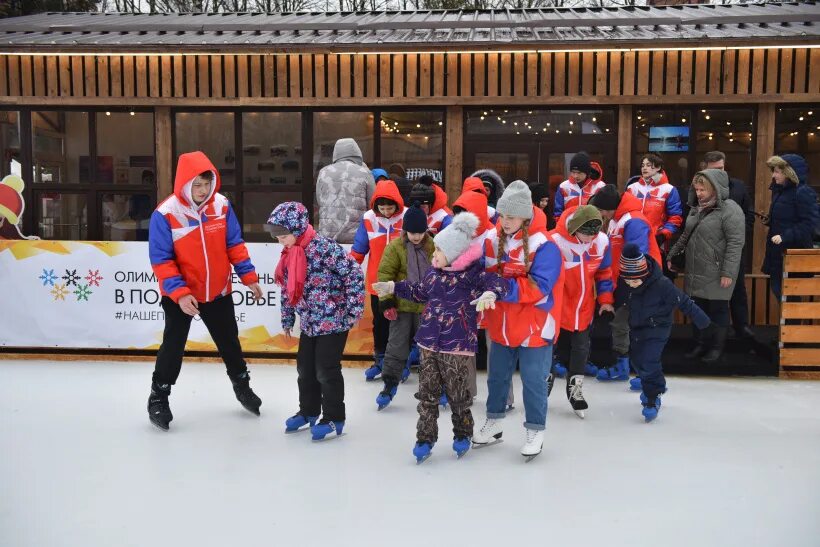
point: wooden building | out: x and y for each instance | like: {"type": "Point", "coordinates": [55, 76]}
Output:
{"type": "Point", "coordinates": [97, 106]}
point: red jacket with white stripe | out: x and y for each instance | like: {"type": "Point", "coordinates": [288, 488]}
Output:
{"type": "Point", "coordinates": [660, 203]}
{"type": "Point", "coordinates": [530, 314]}
{"type": "Point", "coordinates": [629, 225]}
{"type": "Point", "coordinates": [376, 231]}
{"type": "Point", "coordinates": [587, 273]}
{"type": "Point", "coordinates": [569, 194]}
{"type": "Point", "coordinates": [440, 216]}
{"type": "Point", "coordinates": [192, 247]}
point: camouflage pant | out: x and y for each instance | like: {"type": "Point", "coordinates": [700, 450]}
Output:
{"type": "Point", "coordinates": [448, 371]}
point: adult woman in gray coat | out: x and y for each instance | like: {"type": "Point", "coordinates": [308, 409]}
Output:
{"type": "Point", "coordinates": [713, 243]}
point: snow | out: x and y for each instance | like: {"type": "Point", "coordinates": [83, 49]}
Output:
{"type": "Point", "coordinates": [728, 462]}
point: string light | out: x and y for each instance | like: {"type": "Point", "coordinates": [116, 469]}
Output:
{"type": "Point", "coordinates": [708, 117]}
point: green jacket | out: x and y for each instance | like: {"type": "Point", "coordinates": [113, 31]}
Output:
{"type": "Point", "coordinates": [393, 267]}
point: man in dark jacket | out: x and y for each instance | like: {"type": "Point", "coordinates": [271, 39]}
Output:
{"type": "Point", "coordinates": [739, 304]}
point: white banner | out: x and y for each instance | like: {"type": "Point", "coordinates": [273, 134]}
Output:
{"type": "Point", "coordinates": [72, 294]}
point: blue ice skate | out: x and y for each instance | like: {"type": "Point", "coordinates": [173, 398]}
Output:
{"type": "Point", "coordinates": [422, 451]}
{"type": "Point", "coordinates": [635, 384]}
{"type": "Point", "coordinates": [386, 396]}
{"type": "Point", "coordinates": [590, 369]}
{"type": "Point", "coordinates": [375, 371]}
{"type": "Point", "coordinates": [618, 372]}
{"type": "Point", "coordinates": [297, 422]}
{"type": "Point", "coordinates": [559, 370]}
{"type": "Point", "coordinates": [321, 430]}
{"type": "Point", "coordinates": [461, 445]}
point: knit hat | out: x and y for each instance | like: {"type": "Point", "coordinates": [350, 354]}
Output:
{"type": "Point", "coordinates": [457, 237]}
{"type": "Point", "coordinates": [11, 198]}
{"type": "Point", "coordinates": [415, 221]}
{"type": "Point", "coordinates": [290, 217]}
{"type": "Point", "coordinates": [633, 263]}
{"type": "Point", "coordinates": [539, 191]}
{"type": "Point", "coordinates": [586, 219]}
{"type": "Point", "coordinates": [516, 201]}
{"type": "Point", "coordinates": [580, 162]}
{"type": "Point", "coordinates": [422, 194]}
{"type": "Point", "coordinates": [607, 198]}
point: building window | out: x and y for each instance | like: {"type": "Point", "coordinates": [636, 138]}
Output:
{"type": "Point", "coordinates": [797, 131]}
{"type": "Point", "coordinates": [271, 148]}
{"type": "Point", "coordinates": [412, 143]}
{"type": "Point", "coordinates": [328, 127]}
{"type": "Point", "coordinates": [126, 217]}
{"type": "Point", "coordinates": [62, 215]}
{"type": "Point", "coordinates": [61, 148]}
{"type": "Point", "coordinates": [730, 131]}
{"type": "Point", "coordinates": [540, 123]}
{"type": "Point", "coordinates": [125, 146]}
{"type": "Point", "coordinates": [10, 143]}
{"type": "Point", "coordinates": [665, 133]}
{"type": "Point", "coordinates": [213, 133]}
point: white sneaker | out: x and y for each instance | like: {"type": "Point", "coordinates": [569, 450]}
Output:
{"type": "Point", "coordinates": [535, 441]}
{"type": "Point", "coordinates": [489, 433]}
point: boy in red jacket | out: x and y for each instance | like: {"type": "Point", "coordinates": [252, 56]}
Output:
{"type": "Point", "coordinates": [194, 239]}
{"type": "Point", "coordinates": [587, 275]}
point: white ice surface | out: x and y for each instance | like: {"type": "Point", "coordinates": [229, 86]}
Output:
{"type": "Point", "coordinates": [728, 462]}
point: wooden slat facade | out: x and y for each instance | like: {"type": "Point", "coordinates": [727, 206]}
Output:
{"type": "Point", "coordinates": [800, 315]}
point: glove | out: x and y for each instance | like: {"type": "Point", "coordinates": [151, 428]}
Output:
{"type": "Point", "coordinates": [607, 317]}
{"type": "Point", "coordinates": [391, 314]}
{"type": "Point", "coordinates": [484, 302]}
{"type": "Point", "coordinates": [384, 288]}
{"type": "Point", "coordinates": [660, 237]}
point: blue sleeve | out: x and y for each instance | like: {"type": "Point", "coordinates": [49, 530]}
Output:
{"type": "Point", "coordinates": [239, 257]}
{"type": "Point", "coordinates": [674, 212]}
{"type": "Point", "coordinates": [446, 222]}
{"type": "Point", "coordinates": [637, 231]}
{"type": "Point", "coordinates": [162, 255]}
{"type": "Point", "coordinates": [546, 268]}
{"type": "Point", "coordinates": [558, 206]}
{"type": "Point", "coordinates": [361, 242]}
{"type": "Point", "coordinates": [603, 283]}
{"type": "Point", "coordinates": [687, 306]}
{"type": "Point", "coordinates": [802, 228]}
{"type": "Point", "coordinates": [416, 292]}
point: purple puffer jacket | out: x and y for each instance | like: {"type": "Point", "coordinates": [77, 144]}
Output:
{"type": "Point", "coordinates": [449, 324]}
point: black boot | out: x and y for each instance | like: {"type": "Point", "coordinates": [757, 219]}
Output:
{"type": "Point", "coordinates": [244, 393]}
{"type": "Point", "coordinates": [700, 344]}
{"type": "Point", "coordinates": [716, 347]}
{"type": "Point", "coordinates": [159, 412]}
{"type": "Point", "coordinates": [744, 333]}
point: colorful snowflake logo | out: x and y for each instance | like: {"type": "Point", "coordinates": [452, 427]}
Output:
{"type": "Point", "coordinates": [59, 292]}
{"type": "Point", "coordinates": [48, 277]}
{"type": "Point", "coordinates": [82, 292]}
{"type": "Point", "coordinates": [71, 278]}
{"type": "Point", "coordinates": [94, 278]}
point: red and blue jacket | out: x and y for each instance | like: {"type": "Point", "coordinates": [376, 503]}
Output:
{"type": "Point", "coordinates": [376, 232]}
{"type": "Point", "coordinates": [629, 225]}
{"type": "Point", "coordinates": [570, 194]}
{"type": "Point", "coordinates": [192, 247]}
{"type": "Point", "coordinates": [440, 215]}
{"type": "Point", "coordinates": [587, 274]}
{"type": "Point", "coordinates": [660, 203]}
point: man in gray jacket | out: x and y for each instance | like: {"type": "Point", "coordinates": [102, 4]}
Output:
{"type": "Point", "coordinates": [713, 244]}
{"type": "Point", "coordinates": [343, 192]}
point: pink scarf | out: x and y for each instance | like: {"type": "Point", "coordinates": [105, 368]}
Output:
{"type": "Point", "coordinates": [293, 262]}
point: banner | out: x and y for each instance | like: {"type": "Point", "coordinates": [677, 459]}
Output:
{"type": "Point", "coordinates": [90, 294]}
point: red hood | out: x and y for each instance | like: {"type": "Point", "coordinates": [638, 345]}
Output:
{"type": "Point", "coordinates": [440, 201]}
{"type": "Point", "coordinates": [477, 204]}
{"type": "Point", "coordinates": [663, 180]}
{"type": "Point", "coordinates": [538, 222]}
{"type": "Point", "coordinates": [629, 204]}
{"type": "Point", "coordinates": [387, 189]}
{"type": "Point", "coordinates": [189, 166]}
{"type": "Point", "coordinates": [561, 225]}
{"type": "Point", "coordinates": [597, 166]}
{"type": "Point", "coordinates": [473, 184]}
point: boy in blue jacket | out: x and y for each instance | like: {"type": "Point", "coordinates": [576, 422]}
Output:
{"type": "Point", "coordinates": [651, 299]}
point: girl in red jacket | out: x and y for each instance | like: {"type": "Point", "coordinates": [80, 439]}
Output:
{"type": "Point", "coordinates": [524, 324]}
{"type": "Point", "coordinates": [587, 273]}
{"type": "Point", "coordinates": [381, 224]}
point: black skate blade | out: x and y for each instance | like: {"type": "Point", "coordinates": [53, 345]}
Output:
{"type": "Point", "coordinates": [528, 459]}
{"type": "Point", "coordinates": [423, 459]}
{"type": "Point", "coordinates": [382, 407]}
{"type": "Point", "coordinates": [162, 426]}
{"type": "Point", "coordinates": [292, 431]}
{"type": "Point", "coordinates": [460, 455]}
{"type": "Point", "coordinates": [485, 445]}
{"type": "Point", "coordinates": [252, 409]}
{"type": "Point", "coordinates": [580, 413]}
{"type": "Point", "coordinates": [328, 437]}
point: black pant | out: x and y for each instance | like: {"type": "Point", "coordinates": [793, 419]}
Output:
{"type": "Point", "coordinates": [717, 310]}
{"type": "Point", "coordinates": [220, 320]}
{"type": "Point", "coordinates": [739, 303]}
{"type": "Point", "coordinates": [381, 327]}
{"type": "Point", "coordinates": [573, 351]}
{"type": "Point", "coordinates": [481, 352]}
{"type": "Point", "coordinates": [321, 385]}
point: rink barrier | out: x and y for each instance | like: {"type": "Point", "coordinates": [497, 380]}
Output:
{"type": "Point", "coordinates": [800, 315]}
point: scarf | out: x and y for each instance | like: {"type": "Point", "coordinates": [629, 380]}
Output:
{"type": "Point", "coordinates": [706, 205]}
{"type": "Point", "coordinates": [417, 262]}
{"type": "Point", "coordinates": [293, 263]}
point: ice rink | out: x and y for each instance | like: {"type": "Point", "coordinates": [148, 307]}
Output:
{"type": "Point", "coordinates": [728, 462]}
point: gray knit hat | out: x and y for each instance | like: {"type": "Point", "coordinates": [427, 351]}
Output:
{"type": "Point", "coordinates": [456, 238]}
{"type": "Point", "coordinates": [516, 201]}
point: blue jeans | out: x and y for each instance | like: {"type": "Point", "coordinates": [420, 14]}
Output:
{"type": "Point", "coordinates": [535, 364]}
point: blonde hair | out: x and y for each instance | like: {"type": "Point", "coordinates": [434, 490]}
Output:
{"type": "Point", "coordinates": [525, 242]}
